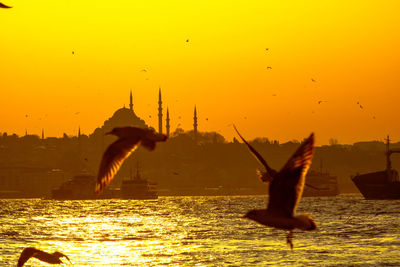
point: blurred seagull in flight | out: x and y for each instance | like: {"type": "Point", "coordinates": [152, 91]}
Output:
{"type": "Point", "coordinates": [4, 6]}
{"type": "Point", "coordinates": [285, 190]}
{"type": "Point", "coordinates": [53, 258]}
{"type": "Point", "coordinates": [312, 79]}
{"type": "Point", "coordinates": [129, 138]}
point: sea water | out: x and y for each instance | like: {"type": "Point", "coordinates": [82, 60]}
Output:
{"type": "Point", "coordinates": [199, 231]}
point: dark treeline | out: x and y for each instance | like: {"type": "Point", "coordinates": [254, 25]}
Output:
{"type": "Point", "coordinates": [182, 164]}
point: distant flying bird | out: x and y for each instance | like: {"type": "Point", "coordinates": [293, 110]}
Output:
{"type": "Point", "coordinates": [4, 6]}
{"type": "Point", "coordinates": [269, 68]}
{"type": "Point", "coordinates": [361, 107]}
{"type": "Point", "coordinates": [144, 70]}
{"type": "Point", "coordinates": [373, 117]}
{"type": "Point", "coordinates": [266, 49]}
{"type": "Point", "coordinates": [28, 253]}
{"type": "Point", "coordinates": [187, 40]}
{"type": "Point", "coordinates": [129, 138]}
{"type": "Point", "coordinates": [149, 116]}
{"type": "Point", "coordinates": [313, 80]}
{"type": "Point", "coordinates": [26, 115]}
{"type": "Point", "coordinates": [206, 119]}
{"type": "Point", "coordinates": [285, 190]}
{"type": "Point", "coordinates": [73, 52]}
{"type": "Point", "coordinates": [274, 95]}
{"type": "Point", "coordinates": [76, 113]}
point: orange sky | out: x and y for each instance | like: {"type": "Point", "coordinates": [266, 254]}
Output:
{"type": "Point", "coordinates": [350, 49]}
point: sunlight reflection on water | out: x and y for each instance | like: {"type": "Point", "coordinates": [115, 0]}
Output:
{"type": "Point", "coordinates": [204, 231]}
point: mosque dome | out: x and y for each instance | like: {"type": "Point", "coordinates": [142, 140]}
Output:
{"type": "Point", "coordinates": [121, 118]}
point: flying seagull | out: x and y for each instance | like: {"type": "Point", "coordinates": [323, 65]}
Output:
{"type": "Point", "coordinates": [4, 6]}
{"type": "Point", "coordinates": [313, 80]}
{"type": "Point", "coordinates": [285, 190]}
{"type": "Point", "coordinates": [129, 138]}
{"type": "Point", "coordinates": [53, 258]}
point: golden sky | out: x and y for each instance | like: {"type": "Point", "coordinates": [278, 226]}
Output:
{"type": "Point", "coordinates": [350, 48]}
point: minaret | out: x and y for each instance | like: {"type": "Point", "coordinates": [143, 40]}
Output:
{"type": "Point", "coordinates": [42, 134]}
{"type": "Point", "coordinates": [131, 104]}
{"type": "Point", "coordinates": [26, 132]}
{"type": "Point", "coordinates": [159, 112]}
{"type": "Point", "coordinates": [195, 124]}
{"type": "Point", "coordinates": [167, 123]}
{"type": "Point", "coordinates": [79, 132]}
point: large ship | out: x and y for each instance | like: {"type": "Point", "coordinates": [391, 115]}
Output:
{"type": "Point", "coordinates": [320, 184]}
{"type": "Point", "coordinates": [81, 187]}
{"type": "Point", "coordinates": [138, 188]}
{"type": "Point", "coordinates": [382, 184]}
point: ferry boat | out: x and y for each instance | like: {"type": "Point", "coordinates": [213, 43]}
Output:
{"type": "Point", "coordinates": [81, 187]}
{"type": "Point", "coordinates": [138, 188]}
{"type": "Point", "coordinates": [382, 184]}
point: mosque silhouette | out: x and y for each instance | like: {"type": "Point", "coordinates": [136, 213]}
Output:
{"type": "Point", "coordinates": [127, 117]}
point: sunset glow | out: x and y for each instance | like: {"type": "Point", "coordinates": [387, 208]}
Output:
{"type": "Point", "coordinates": [69, 63]}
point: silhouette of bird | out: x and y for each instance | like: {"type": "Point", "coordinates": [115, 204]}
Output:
{"type": "Point", "coordinates": [129, 138]}
{"type": "Point", "coordinates": [187, 40]}
{"type": "Point", "coordinates": [266, 49]}
{"type": "Point", "coordinates": [269, 68]}
{"type": "Point", "coordinates": [4, 6]}
{"type": "Point", "coordinates": [73, 52]}
{"type": "Point", "coordinates": [144, 70]}
{"type": "Point", "coordinates": [313, 80]}
{"type": "Point", "coordinates": [53, 258]}
{"type": "Point", "coordinates": [285, 190]}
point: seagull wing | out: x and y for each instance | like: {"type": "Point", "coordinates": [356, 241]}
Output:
{"type": "Point", "coordinates": [4, 6]}
{"type": "Point", "coordinates": [113, 158]}
{"type": "Point", "coordinates": [286, 189]}
{"type": "Point", "coordinates": [265, 177]}
{"type": "Point", "coordinates": [26, 254]}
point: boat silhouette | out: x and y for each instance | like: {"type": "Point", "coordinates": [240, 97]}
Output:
{"type": "Point", "coordinates": [382, 184]}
